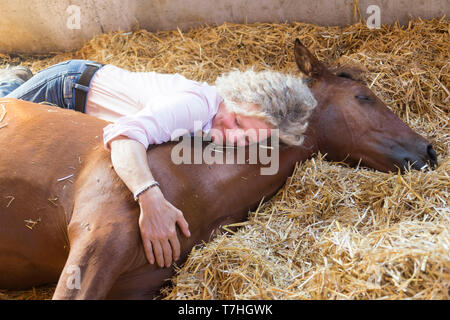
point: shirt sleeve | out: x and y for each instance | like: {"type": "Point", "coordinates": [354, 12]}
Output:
{"type": "Point", "coordinates": [162, 117]}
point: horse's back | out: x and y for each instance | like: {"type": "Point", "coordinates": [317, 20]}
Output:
{"type": "Point", "coordinates": [39, 162]}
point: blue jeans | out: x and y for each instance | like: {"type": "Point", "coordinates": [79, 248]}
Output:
{"type": "Point", "coordinates": [10, 86]}
{"type": "Point", "coordinates": [55, 85]}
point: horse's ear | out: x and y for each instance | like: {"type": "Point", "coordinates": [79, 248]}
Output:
{"type": "Point", "coordinates": [306, 62]}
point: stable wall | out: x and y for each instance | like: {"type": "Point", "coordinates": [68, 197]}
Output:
{"type": "Point", "coordinates": [43, 26]}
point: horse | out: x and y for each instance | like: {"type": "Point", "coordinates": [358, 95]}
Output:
{"type": "Point", "coordinates": [66, 217]}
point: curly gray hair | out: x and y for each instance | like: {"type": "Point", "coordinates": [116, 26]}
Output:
{"type": "Point", "coordinates": [285, 101]}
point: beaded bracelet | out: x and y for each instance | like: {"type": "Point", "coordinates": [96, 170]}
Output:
{"type": "Point", "coordinates": [151, 184]}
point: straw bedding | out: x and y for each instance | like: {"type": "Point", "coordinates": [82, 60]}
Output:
{"type": "Point", "coordinates": [332, 232]}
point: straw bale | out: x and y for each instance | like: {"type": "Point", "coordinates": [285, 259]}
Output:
{"type": "Point", "coordinates": [332, 232]}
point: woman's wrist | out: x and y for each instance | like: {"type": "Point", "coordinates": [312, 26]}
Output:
{"type": "Point", "coordinates": [150, 194]}
{"type": "Point", "coordinates": [145, 187]}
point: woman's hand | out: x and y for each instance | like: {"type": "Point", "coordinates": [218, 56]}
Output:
{"type": "Point", "coordinates": [158, 218]}
{"type": "Point", "coordinates": [157, 223]}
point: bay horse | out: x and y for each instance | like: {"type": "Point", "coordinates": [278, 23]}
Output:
{"type": "Point", "coordinates": [65, 213]}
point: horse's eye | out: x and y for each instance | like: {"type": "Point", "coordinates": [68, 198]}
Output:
{"type": "Point", "coordinates": [363, 97]}
{"type": "Point", "coordinates": [345, 75]}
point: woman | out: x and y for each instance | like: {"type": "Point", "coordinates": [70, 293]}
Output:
{"type": "Point", "coordinates": [147, 108]}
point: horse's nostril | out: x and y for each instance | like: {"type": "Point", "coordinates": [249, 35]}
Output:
{"type": "Point", "coordinates": [432, 155]}
{"type": "Point", "coordinates": [431, 152]}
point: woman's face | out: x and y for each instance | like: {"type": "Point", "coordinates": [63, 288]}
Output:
{"type": "Point", "coordinates": [231, 128]}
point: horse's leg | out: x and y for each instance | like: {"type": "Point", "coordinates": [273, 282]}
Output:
{"type": "Point", "coordinates": [143, 283]}
{"type": "Point", "coordinates": [146, 281]}
{"type": "Point", "coordinates": [104, 243]}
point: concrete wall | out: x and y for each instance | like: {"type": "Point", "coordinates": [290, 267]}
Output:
{"type": "Point", "coordinates": [42, 26]}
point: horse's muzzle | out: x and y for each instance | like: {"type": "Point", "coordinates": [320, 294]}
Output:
{"type": "Point", "coordinates": [420, 160]}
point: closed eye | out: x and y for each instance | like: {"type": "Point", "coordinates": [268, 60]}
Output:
{"type": "Point", "coordinates": [363, 97]}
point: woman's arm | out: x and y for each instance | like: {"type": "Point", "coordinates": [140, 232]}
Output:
{"type": "Point", "coordinates": [128, 139]}
{"type": "Point", "coordinates": [158, 218]}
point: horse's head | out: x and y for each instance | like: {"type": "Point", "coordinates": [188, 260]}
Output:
{"type": "Point", "coordinates": [351, 124]}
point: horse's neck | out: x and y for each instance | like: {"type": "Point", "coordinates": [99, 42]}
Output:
{"type": "Point", "coordinates": [268, 184]}
{"type": "Point", "coordinates": [306, 150]}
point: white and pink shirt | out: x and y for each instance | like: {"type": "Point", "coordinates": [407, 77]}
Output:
{"type": "Point", "coordinates": [148, 106]}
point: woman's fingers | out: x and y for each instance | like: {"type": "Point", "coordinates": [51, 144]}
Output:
{"type": "Point", "coordinates": [158, 222]}
{"type": "Point", "coordinates": [167, 252]}
{"type": "Point", "coordinates": [175, 244]}
{"type": "Point", "coordinates": [184, 226]}
{"type": "Point", "coordinates": [148, 248]}
{"type": "Point", "coordinates": [158, 251]}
